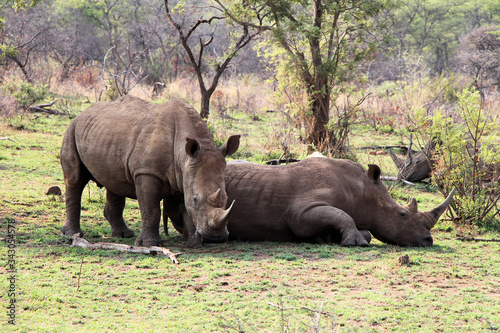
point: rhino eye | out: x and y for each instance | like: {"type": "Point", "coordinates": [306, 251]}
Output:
{"type": "Point", "coordinates": [402, 213]}
{"type": "Point", "coordinates": [196, 199]}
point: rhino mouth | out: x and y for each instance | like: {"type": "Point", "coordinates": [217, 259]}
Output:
{"type": "Point", "coordinates": [424, 242]}
{"type": "Point", "coordinates": [213, 239]}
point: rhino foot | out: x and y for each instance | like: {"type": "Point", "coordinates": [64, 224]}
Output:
{"type": "Point", "coordinates": [366, 234]}
{"type": "Point", "coordinates": [126, 233]}
{"type": "Point", "coordinates": [70, 231]}
{"type": "Point", "coordinates": [194, 243]}
{"type": "Point", "coordinates": [148, 241]}
{"type": "Point", "coordinates": [353, 238]}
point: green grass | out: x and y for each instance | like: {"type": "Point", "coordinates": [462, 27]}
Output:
{"type": "Point", "coordinates": [232, 287]}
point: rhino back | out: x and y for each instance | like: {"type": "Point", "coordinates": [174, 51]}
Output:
{"type": "Point", "coordinates": [119, 140]}
{"type": "Point", "coordinates": [269, 197]}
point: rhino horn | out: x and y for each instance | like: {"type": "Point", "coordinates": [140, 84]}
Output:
{"type": "Point", "coordinates": [224, 216]}
{"type": "Point", "coordinates": [413, 206]}
{"type": "Point", "coordinates": [400, 163]}
{"type": "Point", "coordinates": [439, 210]}
{"type": "Point", "coordinates": [216, 197]}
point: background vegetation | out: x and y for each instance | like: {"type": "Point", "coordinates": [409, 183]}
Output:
{"type": "Point", "coordinates": [409, 71]}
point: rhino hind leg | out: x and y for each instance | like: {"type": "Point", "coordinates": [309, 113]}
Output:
{"type": "Point", "coordinates": [113, 212]}
{"type": "Point", "coordinates": [148, 190]}
{"type": "Point", "coordinates": [317, 220]}
{"type": "Point", "coordinates": [367, 235]}
{"type": "Point", "coordinates": [173, 209]}
{"type": "Point", "coordinates": [73, 198]}
{"type": "Point", "coordinates": [76, 177]}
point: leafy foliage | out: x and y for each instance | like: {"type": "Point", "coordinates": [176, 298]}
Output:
{"type": "Point", "coordinates": [465, 159]}
{"type": "Point", "coordinates": [315, 47]}
{"type": "Point", "coordinates": [25, 93]}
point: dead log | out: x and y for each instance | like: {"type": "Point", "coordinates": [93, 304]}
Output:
{"type": "Point", "coordinates": [395, 179]}
{"type": "Point", "coordinates": [403, 148]}
{"type": "Point", "coordinates": [43, 108]}
{"type": "Point", "coordinates": [76, 240]}
{"type": "Point", "coordinates": [473, 239]}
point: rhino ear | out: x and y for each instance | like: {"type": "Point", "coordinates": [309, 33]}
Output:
{"type": "Point", "coordinates": [374, 172]}
{"type": "Point", "coordinates": [192, 147]}
{"type": "Point", "coordinates": [231, 146]}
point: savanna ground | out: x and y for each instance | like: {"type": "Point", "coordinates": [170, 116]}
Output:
{"type": "Point", "coordinates": [453, 286]}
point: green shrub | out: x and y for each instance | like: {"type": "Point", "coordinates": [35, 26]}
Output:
{"type": "Point", "coordinates": [25, 93]}
{"type": "Point", "coordinates": [465, 159]}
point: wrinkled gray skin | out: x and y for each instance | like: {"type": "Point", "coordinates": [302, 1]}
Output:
{"type": "Point", "coordinates": [415, 167]}
{"type": "Point", "coordinates": [318, 197]}
{"type": "Point", "coordinates": [137, 149]}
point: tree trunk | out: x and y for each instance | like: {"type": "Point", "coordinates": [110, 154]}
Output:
{"type": "Point", "coordinates": [206, 94]}
{"type": "Point", "coordinates": [320, 104]}
{"type": "Point", "coordinates": [22, 67]}
{"type": "Point", "coordinates": [205, 104]}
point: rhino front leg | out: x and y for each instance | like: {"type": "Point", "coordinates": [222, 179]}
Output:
{"type": "Point", "coordinates": [193, 239]}
{"type": "Point", "coordinates": [113, 212]}
{"type": "Point", "coordinates": [317, 220]}
{"type": "Point", "coordinates": [148, 191]}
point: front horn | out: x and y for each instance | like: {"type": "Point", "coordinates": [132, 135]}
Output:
{"type": "Point", "coordinates": [224, 216]}
{"type": "Point", "coordinates": [439, 210]}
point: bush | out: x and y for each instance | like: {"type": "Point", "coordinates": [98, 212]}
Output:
{"type": "Point", "coordinates": [466, 160]}
{"type": "Point", "coordinates": [26, 94]}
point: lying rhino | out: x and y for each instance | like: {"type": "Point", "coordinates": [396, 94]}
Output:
{"type": "Point", "coordinates": [137, 149]}
{"type": "Point", "coordinates": [416, 167]}
{"type": "Point", "coordinates": [318, 197]}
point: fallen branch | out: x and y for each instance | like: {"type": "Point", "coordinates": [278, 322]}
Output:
{"type": "Point", "coordinates": [473, 239]}
{"type": "Point", "coordinates": [80, 242]}
{"type": "Point", "coordinates": [18, 203]}
{"type": "Point", "coordinates": [46, 104]}
{"type": "Point", "coordinates": [43, 108]}
{"type": "Point", "coordinates": [395, 179]}
{"type": "Point", "coordinates": [404, 148]}
{"type": "Point", "coordinates": [7, 139]}
{"type": "Point", "coordinates": [35, 108]}
{"type": "Point", "coordinates": [282, 308]}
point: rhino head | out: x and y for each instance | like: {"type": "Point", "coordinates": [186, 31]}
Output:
{"type": "Point", "coordinates": [403, 225]}
{"type": "Point", "coordinates": [205, 191]}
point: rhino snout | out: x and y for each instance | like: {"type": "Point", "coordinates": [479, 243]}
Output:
{"type": "Point", "coordinates": [426, 241]}
{"type": "Point", "coordinates": [208, 237]}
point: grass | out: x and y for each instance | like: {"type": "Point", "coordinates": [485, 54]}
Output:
{"type": "Point", "coordinates": [232, 287]}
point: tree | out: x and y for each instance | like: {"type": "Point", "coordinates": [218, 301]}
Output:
{"type": "Point", "coordinates": [479, 57]}
{"type": "Point", "coordinates": [239, 36]}
{"type": "Point", "coordinates": [318, 44]}
{"type": "Point", "coordinates": [432, 28]}
{"type": "Point", "coordinates": [24, 34]}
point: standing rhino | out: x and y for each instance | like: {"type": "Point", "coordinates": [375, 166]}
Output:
{"type": "Point", "coordinates": [318, 197]}
{"type": "Point", "coordinates": [151, 152]}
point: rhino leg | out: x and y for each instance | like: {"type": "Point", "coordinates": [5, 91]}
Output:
{"type": "Point", "coordinates": [76, 177]}
{"type": "Point", "coordinates": [193, 239]}
{"type": "Point", "coordinates": [317, 220]}
{"type": "Point", "coordinates": [73, 198]}
{"type": "Point", "coordinates": [113, 212]}
{"type": "Point", "coordinates": [366, 234]}
{"type": "Point", "coordinates": [173, 209]}
{"type": "Point", "coordinates": [148, 190]}
{"type": "Point", "coordinates": [165, 218]}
